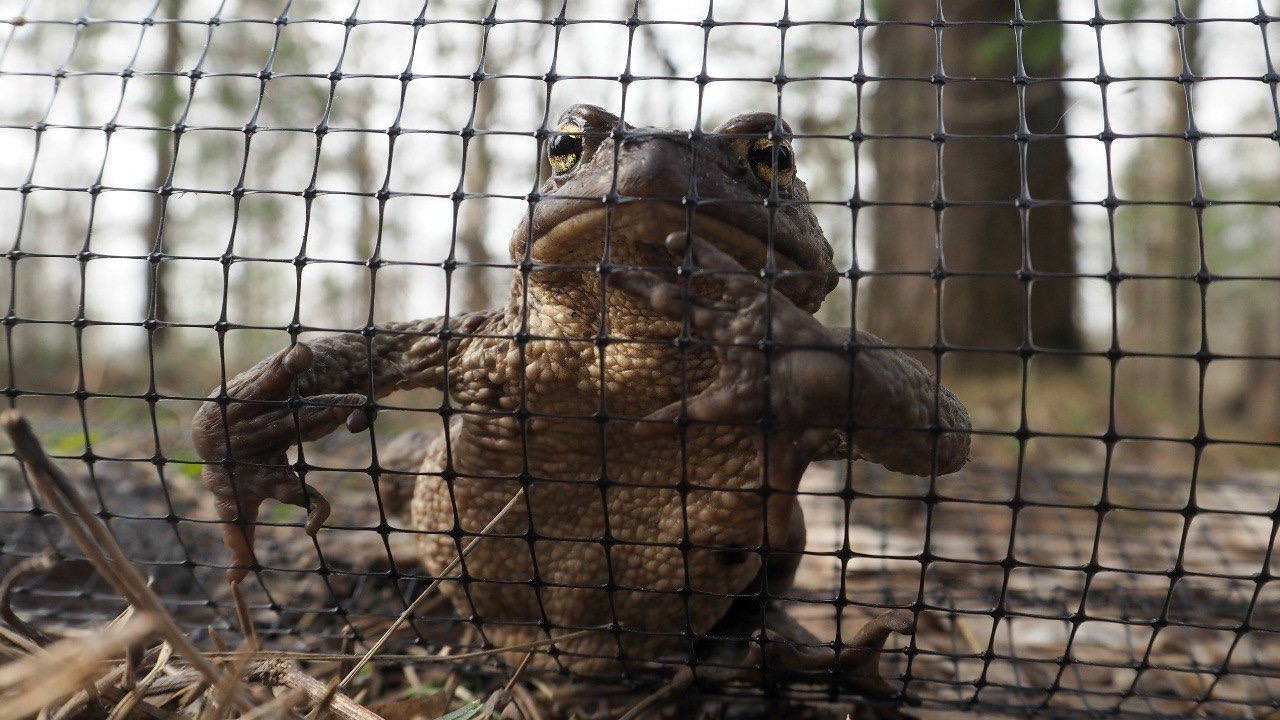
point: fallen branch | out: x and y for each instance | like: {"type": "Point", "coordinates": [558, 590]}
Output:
{"type": "Point", "coordinates": [286, 674]}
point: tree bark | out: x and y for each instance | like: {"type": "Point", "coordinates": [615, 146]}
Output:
{"type": "Point", "coordinates": [979, 227]}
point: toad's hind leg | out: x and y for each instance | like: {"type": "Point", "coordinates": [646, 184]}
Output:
{"type": "Point", "coordinates": [773, 583]}
{"type": "Point", "coordinates": [757, 634]}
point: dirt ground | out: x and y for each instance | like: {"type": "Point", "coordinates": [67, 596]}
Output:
{"type": "Point", "coordinates": [1061, 584]}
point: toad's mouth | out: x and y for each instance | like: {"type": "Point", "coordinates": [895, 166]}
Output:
{"type": "Point", "coordinates": [579, 239]}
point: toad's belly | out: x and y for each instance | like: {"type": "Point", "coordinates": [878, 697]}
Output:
{"type": "Point", "coordinates": [631, 535]}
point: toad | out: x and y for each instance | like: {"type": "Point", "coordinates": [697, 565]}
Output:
{"type": "Point", "coordinates": [656, 384]}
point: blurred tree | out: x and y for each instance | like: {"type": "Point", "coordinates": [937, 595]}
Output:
{"type": "Point", "coordinates": [1165, 316]}
{"type": "Point", "coordinates": [828, 166]}
{"type": "Point", "coordinates": [983, 234]}
{"type": "Point", "coordinates": [167, 98]}
{"type": "Point", "coordinates": [52, 222]}
{"type": "Point", "coordinates": [472, 215]}
{"type": "Point", "coordinates": [260, 225]}
{"type": "Point", "coordinates": [368, 179]}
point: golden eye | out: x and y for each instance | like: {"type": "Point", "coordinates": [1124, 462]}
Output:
{"type": "Point", "coordinates": [565, 148]}
{"type": "Point", "coordinates": [765, 155]}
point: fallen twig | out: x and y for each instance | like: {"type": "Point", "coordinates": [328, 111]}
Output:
{"type": "Point", "coordinates": [218, 700]}
{"type": "Point", "coordinates": [264, 660]}
{"type": "Point", "coordinates": [96, 691]}
{"type": "Point", "coordinates": [39, 563]}
{"type": "Point", "coordinates": [515, 676]}
{"type": "Point", "coordinates": [497, 701]}
{"type": "Point", "coordinates": [130, 699]}
{"type": "Point", "coordinates": [243, 616]}
{"type": "Point", "coordinates": [285, 673]}
{"type": "Point", "coordinates": [30, 685]}
{"type": "Point", "coordinates": [451, 684]}
{"type": "Point", "coordinates": [681, 681]}
{"type": "Point", "coordinates": [525, 701]}
{"type": "Point", "coordinates": [422, 596]}
{"type": "Point", "coordinates": [100, 546]}
{"type": "Point", "coordinates": [22, 645]}
{"type": "Point", "coordinates": [321, 710]}
{"type": "Point", "coordinates": [337, 657]}
{"type": "Point", "coordinates": [277, 706]}
{"type": "Point", "coordinates": [117, 685]}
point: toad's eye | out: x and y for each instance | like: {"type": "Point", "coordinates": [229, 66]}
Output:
{"type": "Point", "coordinates": [565, 148]}
{"type": "Point", "coordinates": [770, 161]}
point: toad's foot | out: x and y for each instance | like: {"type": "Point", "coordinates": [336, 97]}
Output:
{"type": "Point", "coordinates": [785, 650]}
{"type": "Point", "coordinates": [244, 435]}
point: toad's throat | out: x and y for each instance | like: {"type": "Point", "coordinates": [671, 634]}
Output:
{"type": "Point", "coordinates": [580, 239]}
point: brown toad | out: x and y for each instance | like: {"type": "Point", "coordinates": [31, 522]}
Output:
{"type": "Point", "coordinates": [658, 402]}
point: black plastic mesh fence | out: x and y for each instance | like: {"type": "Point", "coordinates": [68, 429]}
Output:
{"type": "Point", "coordinates": [189, 187]}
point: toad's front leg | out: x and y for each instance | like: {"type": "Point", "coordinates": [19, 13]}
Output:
{"type": "Point", "coordinates": [246, 428]}
{"type": "Point", "coordinates": [243, 433]}
{"type": "Point", "coordinates": [781, 368]}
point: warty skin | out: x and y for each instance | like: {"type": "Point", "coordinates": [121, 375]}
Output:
{"type": "Point", "coordinates": [653, 495]}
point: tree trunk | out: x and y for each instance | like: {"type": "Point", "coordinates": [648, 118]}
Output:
{"type": "Point", "coordinates": [980, 229]}
{"type": "Point", "coordinates": [367, 226]}
{"type": "Point", "coordinates": [472, 227]}
{"type": "Point", "coordinates": [165, 101]}
{"type": "Point", "coordinates": [1164, 316]}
